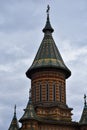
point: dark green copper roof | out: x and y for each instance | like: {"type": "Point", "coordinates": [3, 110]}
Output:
{"type": "Point", "coordinates": [48, 55]}
{"type": "Point", "coordinates": [83, 119]}
{"type": "Point", "coordinates": [14, 124]}
{"type": "Point", "coordinates": [29, 112]}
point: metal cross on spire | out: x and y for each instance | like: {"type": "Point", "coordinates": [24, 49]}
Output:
{"type": "Point", "coordinates": [48, 9]}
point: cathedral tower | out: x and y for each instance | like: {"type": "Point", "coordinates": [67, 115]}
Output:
{"type": "Point", "coordinates": [47, 108]}
{"type": "Point", "coordinates": [48, 74]}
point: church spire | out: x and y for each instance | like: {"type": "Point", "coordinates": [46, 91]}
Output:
{"type": "Point", "coordinates": [48, 27]}
{"type": "Point", "coordinates": [29, 113]}
{"type": "Point", "coordinates": [85, 103]}
{"type": "Point", "coordinates": [48, 55]}
{"type": "Point", "coordinates": [83, 119]}
{"type": "Point", "coordinates": [15, 111]}
{"type": "Point", "coordinates": [14, 123]}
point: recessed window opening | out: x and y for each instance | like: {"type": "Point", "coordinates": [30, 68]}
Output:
{"type": "Point", "coordinates": [54, 92]}
{"type": "Point", "coordinates": [40, 93]}
{"type": "Point", "coordinates": [47, 92]}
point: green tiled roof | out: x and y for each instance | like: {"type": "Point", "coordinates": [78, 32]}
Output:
{"type": "Point", "coordinates": [29, 112]}
{"type": "Point", "coordinates": [83, 119]}
{"type": "Point", "coordinates": [48, 55]}
{"type": "Point", "coordinates": [14, 124]}
{"type": "Point", "coordinates": [84, 116]}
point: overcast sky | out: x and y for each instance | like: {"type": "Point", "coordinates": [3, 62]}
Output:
{"type": "Point", "coordinates": [21, 24]}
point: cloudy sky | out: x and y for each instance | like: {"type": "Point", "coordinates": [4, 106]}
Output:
{"type": "Point", "coordinates": [21, 24]}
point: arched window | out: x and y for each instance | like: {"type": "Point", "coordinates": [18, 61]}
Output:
{"type": "Point", "coordinates": [54, 92]}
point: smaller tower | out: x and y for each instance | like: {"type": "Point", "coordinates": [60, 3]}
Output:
{"type": "Point", "coordinates": [29, 119]}
{"type": "Point", "coordinates": [14, 124]}
{"type": "Point", "coordinates": [83, 120]}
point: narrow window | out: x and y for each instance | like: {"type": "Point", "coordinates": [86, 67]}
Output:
{"type": "Point", "coordinates": [35, 93]}
{"type": "Point", "coordinates": [60, 93]}
{"type": "Point", "coordinates": [54, 92]}
{"type": "Point", "coordinates": [47, 95]}
{"type": "Point", "coordinates": [40, 93]}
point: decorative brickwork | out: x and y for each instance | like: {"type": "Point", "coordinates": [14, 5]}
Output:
{"type": "Point", "coordinates": [43, 85]}
{"type": "Point", "coordinates": [47, 85]}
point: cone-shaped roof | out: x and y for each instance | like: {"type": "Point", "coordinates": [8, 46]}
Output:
{"type": "Point", "coordinates": [29, 112]}
{"type": "Point", "coordinates": [14, 124]}
{"type": "Point", "coordinates": [83, 119]}
{"type": "Point", "coordinates": [48, 55]}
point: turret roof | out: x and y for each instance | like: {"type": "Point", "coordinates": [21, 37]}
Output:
{"type": "Point", "coordinates": [48, 55]}
{"type": "Point", "coordinates": [29, 112]}
{"type": "Point", "coordinates": [83, 119]}
{"type": "Point", "coordinates": [14, 124]}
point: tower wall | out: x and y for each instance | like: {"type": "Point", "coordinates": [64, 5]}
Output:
{"type": "Point", "coordinates": [48, 86]}
{"type": "Point", "coordinates": [57, 127]}
{"type": "Point", "coordinates": [49, 94]}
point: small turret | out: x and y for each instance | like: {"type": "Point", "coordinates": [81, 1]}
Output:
{"type": "Point", "coordinates": [29, 111]}
{"type": "Point", "coordinates": [83, 120]}
{"type": "Point", "coordinates": [29, 119]}
{"type": "Point", "coordinates": [14, 124]}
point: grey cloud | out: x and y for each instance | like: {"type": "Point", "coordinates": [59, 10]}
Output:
{"type": "Point", "coordinates": [17, 16]}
